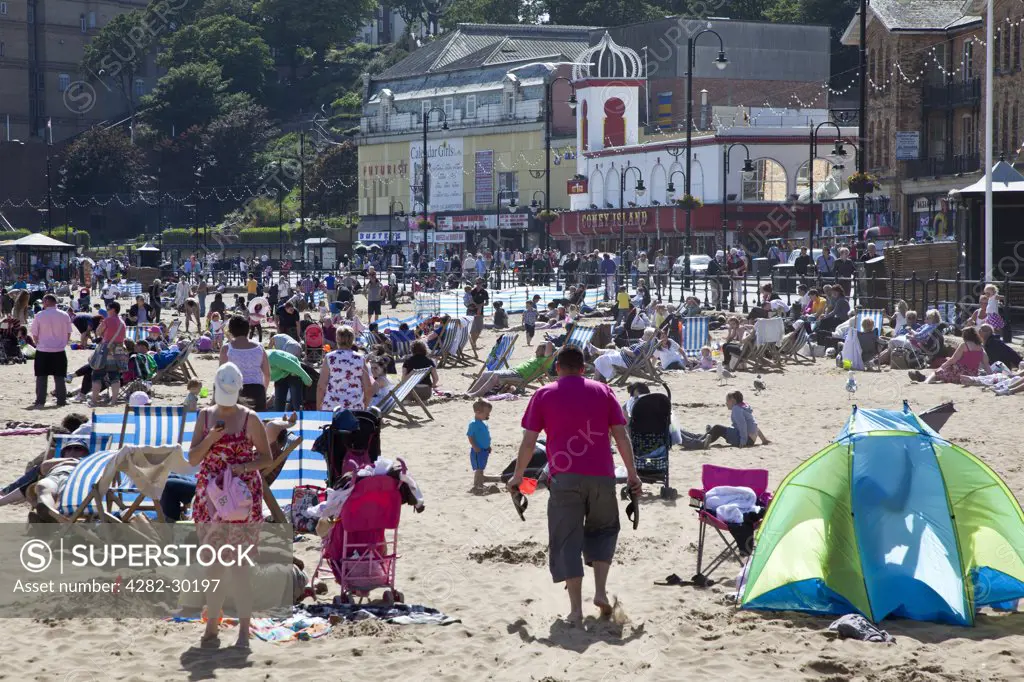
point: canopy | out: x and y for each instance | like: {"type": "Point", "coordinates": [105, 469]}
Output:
{"type": "Point", "coordinates": [40, 241]}
{"type": "Point", "coordinates": [889, 520]}
{"type": "Point", "coordinates": [1005, 178]}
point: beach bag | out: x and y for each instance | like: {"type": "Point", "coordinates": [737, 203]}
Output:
{"type": "Point", "coordinates": [304, 497]}
{"type": "Point", "coordinates": [230, 497]}
{"type": "Point", "coordinates": [98, 359]}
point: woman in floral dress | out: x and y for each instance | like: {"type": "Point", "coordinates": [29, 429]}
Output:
{"type": "Point", "coordinates": [228, 435]}
{"type": "Point", "coordinates": [344, 378]}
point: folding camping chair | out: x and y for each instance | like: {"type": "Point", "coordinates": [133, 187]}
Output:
{"type": "Point", "coordinates": [791, 350]}
{"type": "Point", "coordinates": [713, 476]}
{"type": "Point", "coordinates": [876, 316]}
{"type": "Point", "coordinates": [696, 333]}
{"type": "Point", "coordinates": [392, 406]}
{"type": "Point", "coordinates": [579, 337]}
{"type": "Point", "coordinates": [640, 366]}
{"type": "Point", "coordinates": [499, 355]}
{"type": "Point", "coordinates": [768, 335]}
{"type": "Point", "coordinates": [180, 370]}
{"type": "Point", "coordinates": [111, 430]}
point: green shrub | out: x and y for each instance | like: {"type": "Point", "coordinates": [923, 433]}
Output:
{"type": "Point", "coordinates": [264, 235]}
{"type": "Point", "coordinates": [179, 235]}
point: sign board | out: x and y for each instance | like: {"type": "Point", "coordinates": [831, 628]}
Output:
{"type": "Point", "coordinates": [415, 236]}
{"type": "Point", "coordinates": [514, 221]}
{"type": "Point", "coordinates": [922, 205]}
{"type": "Point", "coordinates": [486, 221]}
{"type": "Point", "coordinates": [444, 168]}
{"type": "Point", "coordinates": [483, 171]}
{"type": "Point", "coordinates": [908, 146]}
{"type": "Point", "coordinates": [576, 186]}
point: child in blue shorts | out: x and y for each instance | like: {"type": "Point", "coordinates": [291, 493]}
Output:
{"type": "Point", "coordinates": [479, 442]}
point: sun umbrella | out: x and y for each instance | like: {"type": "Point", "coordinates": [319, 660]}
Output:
{"type": "Point", "coordinates": [359, 247]}
{"type": "Point", "coordinates": [259, 300]}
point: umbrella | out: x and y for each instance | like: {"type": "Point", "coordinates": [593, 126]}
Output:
{"type": "Point", "coordinates": [259, 300]}
{"type": "Point", "coordinates": [374, 247]}
{"type": "Point", "coordinates": [359, 247]}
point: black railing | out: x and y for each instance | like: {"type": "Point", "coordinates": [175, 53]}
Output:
{"type": "Point", "coordinates": [959, 94]}
{"type": "Point", "coordinates": [935, 167]}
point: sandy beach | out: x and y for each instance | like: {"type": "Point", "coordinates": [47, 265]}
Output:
{"type": "Point", "coordinates": [471, 557]}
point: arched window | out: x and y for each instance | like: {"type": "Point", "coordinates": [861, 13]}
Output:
{"type": "Point", "coordinates": [658, 184]}
{"type": "Point", "coordinates": [597, 189]}
{"type": "Point", "coordinates": [614, 123]}
{"type": "Point", "coordinates": [822, 169]}
{"type": "Point", "coordinates": [1005, 127]}
{"type": "Point", "coordinates": [887, 144]}
{"type": "Point", "coordinates": [611, 189]}
{"type": "Point", "coordinates": [768, 182]}
{"type": "Point", "coordinates": [586, 127]}
{"type": "Point", "coordinates": [697, 181]}
{"type": "Point", "coordinates": [1015, 123]}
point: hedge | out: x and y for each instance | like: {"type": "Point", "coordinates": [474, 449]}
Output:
{"type": "Point", "coordinates": [179, 235]}
{"type": "Point", "coordinates": [265, 235]}
{"type": "Point", "coordinates": [15, 234]}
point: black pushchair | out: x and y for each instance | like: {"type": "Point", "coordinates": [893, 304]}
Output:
{"type": "Point", "coordinates": [650, 433]}
{"type": "Point", "coordinates": [10, 348]}
{"type": "Point", "coordinates": [350, 442]}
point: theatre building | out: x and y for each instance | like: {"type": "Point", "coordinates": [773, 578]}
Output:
{"type": "Point", "coordinates": [627, 183]}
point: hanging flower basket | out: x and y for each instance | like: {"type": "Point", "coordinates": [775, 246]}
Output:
{"type": "Point", "coordinates": [547, 217]}
{"type": "Point", "coordinates": [425, 225]}
{"type": "Point", "coordinates": [689, 201]}
{"type": "Point", "coordinates": [861, 183]}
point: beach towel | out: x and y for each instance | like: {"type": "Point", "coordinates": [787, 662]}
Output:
{"type": "Point", "coordinates": [399, 614]}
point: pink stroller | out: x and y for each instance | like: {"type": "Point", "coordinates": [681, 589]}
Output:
{"type": "Point", "coordinates": [362, 547]}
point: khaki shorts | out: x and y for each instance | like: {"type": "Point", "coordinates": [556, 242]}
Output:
{"type": "Point", "coordinates": [583, 523]}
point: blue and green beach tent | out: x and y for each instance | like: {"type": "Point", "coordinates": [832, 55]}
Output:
{"type": "Point", "coordinates": [889, 520]}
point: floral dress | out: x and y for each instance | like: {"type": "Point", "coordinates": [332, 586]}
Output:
{"type": "Point", "coordinates": [231, 449]}
{"type": "Point", "coordinates": [968, 366]}
{"type": "Point", "coordinates": [345, 381]}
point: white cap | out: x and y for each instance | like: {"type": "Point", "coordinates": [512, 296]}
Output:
{"type": "Point", "coordinates": [227, 384]}
{"type": "Point", "coordinates": [138, 399]}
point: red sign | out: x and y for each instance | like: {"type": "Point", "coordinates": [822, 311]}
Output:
{"type": "Point", "coordinates": [576, 186]}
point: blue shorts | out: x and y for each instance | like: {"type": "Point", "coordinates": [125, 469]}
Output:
{"type": "Point", "coordinates": [478, 459]}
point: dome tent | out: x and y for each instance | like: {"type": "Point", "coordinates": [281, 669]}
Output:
{"type": "Point", "coordinates": [889, 520]}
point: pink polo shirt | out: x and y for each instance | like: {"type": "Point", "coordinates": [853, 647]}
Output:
{"type": "Point", "coordinates": [51, 329]}
{"type": "Point", "coordinates": [576, 415]}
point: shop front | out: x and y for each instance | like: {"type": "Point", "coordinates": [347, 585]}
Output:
{"type": "Point", "coordinates": [489, 231]}
{"type": "Point", "coordinates": [839, 219]}
{"type": "Point", "coordinates": [933, 217]}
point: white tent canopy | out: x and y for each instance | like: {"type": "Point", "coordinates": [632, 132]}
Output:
{"type": "Point", "coordinates": [40, 241]}
{"type": "Point", "coordinates": [1005, 178]}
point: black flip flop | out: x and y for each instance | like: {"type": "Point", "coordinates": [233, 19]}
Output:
{"type": "Point", "coordinates": [633, 510]}
{"type": "Point", "coordinates": [520, 502]}
{"type": "Point", "coordinates": [670, 581]}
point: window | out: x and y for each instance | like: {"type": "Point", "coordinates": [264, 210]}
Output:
{"type": "Point", "coordinates": [1007, 46]}
{"type": "Point", "coordinates": [869, 161]}
{"type": "Point", "coordinates": [424, 108]}
{"type": "Point", "coordinates": [449, 108]}
{"type": "Point", "coordinates": [63, 82]}
{"type": "Point", "coordinates": [1014, 123]}
{"type": "Point", "coordinates": [30, 16]}
{"type": "Point", "coordinates": [996, 46]}
{"type": "Point", "coordinates": [967, 138]}
{"type": "Point", "coordinates": [140, 87]}
{"type": "Point", "coordinates": [470, 106]}
{"type": "Point", "coordinates": [3, 8]}
{"type": "Point", "coordinates": [92, 20]}
{"type": "Point", "coordinates": [1005, 127]}
{"type": "Point", "coordinates": [936, 137]}
{"type": "Point", "coordinates": [81, 23]}
{"type": "Point", "coordinates": [510, 103]}
{"type": "Point", "coordinates": [508, 187]}
{"type": "Point", "coordinates": [968, 65]}
{"type": "Point", "coordinates": [510, 91]}
{"type": "Point", "coordinates": [1015, 64]}
{"type": "Point", "coordinates": [822, 169]}
{"type": "Point", "coordinates": [767, 183]}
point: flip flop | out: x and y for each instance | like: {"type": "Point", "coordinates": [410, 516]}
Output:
{"type": "Point", "coordinates": [633, 510]}
{"type": "Point", "coordinates": [520, 502]}
{"type": "Point", "coordinates": [670, 581]}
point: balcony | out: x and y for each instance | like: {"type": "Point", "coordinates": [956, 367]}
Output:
{"type": "Point", "coordinates": [399, 123]}
{"type": "Point", "coordinates": [935, 167]}
{"type": "Point", "coordinates": [961, 94]}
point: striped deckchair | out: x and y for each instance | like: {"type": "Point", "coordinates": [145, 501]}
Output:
{"type": "Point", "coordinates": [534, 380]}
{"type": "Point", "coordinates": [695, 335]}
{"type": "Point", "coordinates": [768, 335]}
{"type": "Point", "coordinates": [78, 498]}
{"type": "Point", "coordinates": [108, 430]}
{"type": "Point", "coordinates": [131, 289]}
{"type": "Point", "coordinates": [179, 370]}
{"type": "Point", "coordinates": [136, 333]}
{"type": "Point", "coordinates": [158, 425]}
{"type": "Point", "coordinates": [641, 365]}
{"type": "Point", "coordinates": [172, 331]}
{"type": "Point", "coordinates": [450, 342]}
{"type": "Point", "coordinates": [876, 316]}
{"type": "Point", "coordinates": [400, 348]}
{"type": "Point", "coordinates": [499, 355]}
{"type": "Point", "coordinates": [392, 406]}
{"type": "Point", "coordinates": [579, 337]}
{"type": "Point", "coordinates": [791, 350]}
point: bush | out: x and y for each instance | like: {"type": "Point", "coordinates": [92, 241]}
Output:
{"type": "Point", "coordinates": [179, 235]}
{"type": "Point", "coordinates": [264, 235]}
{"type": "Point", "coordinates": [16, 234]}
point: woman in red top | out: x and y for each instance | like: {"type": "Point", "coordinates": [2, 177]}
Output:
{"type": "Point", "coordinates": [111, 332]}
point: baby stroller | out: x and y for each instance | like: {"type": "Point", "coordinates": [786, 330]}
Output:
{"type": "Point", "coordinates": [650, 433]}
{"type": "Point", "coordinates": [362, 548]}
{"type": "Point", "coordinates": [10, 349]}
{"type": "Point", "coordinates": [314, 338]}
{"type": "Point", "coordinates": [351, 441]}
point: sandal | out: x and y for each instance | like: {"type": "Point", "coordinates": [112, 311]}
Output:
{"type": "Point", "coordinates": [633, 510]}
{"type": "Point", "coordinates": [521, 503]}
{"type": "Point", "coordinates": [669, 581]}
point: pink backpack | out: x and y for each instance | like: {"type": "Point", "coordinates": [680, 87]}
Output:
{"type": "Point", "coordinates": [232, 500]}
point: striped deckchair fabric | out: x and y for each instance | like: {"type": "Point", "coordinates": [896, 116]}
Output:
{"type": "Point", "coordinates": [579, 337]}
{"type": "Point", "coordinates": [695, 335]}
{"type": "Point", "coordinates": [876, 316]}
{"type": "Point", "coordinates": [158, 425]}
{"type": "Point", "coordinates": [136, 333]}
{"type": "Point", "coordinates": [401, 348]}
{"type": "Point", "coordinates": [640, 365]}
{"type": "Point", "coordinates": [83, 479]}
{"type": "Point", "coordinates": [107, 430]}
{"type": "Point", "coordinates": [366, 339]}
{"type": "Point", "coordinates": [131, 289]}
{"type": "Point", "coordinates": [303, 466]}
{"type": "Point", "coordinates": [768, 335]}
{"type": "Point", "coordinates": [172, 331]}
{"type": "Point", "coordinates": [392, 406]}
{"type": "Point", "coordinates": [452, 341]}
{"type": "Point", "coordinates": [500, 353]}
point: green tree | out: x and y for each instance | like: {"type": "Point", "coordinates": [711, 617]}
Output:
{"type": "Point", "coordinates": [332, 180]}
{"type": "Point", "coordinates": [603, 12]}
{"type": "Point", "coordinates": [101, 162]}
{"type": "Point", "coordinates": [311, 25]}
{"type": "Point", "coordinates": [427, 13]}
{"type": "Point", "coordinates": [491, 12]}
{"type": "Point", "coordinates": [236, 47]}
{"type": "Point", "coordinates": [115, 55]}
{"type": "Point", "coordinates": [231, 143]}
{"type": "Point", "coordinates": [189, 95]}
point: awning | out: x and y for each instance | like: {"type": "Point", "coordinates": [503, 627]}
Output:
{"type": "Point", "coordinates": [1005, 178]}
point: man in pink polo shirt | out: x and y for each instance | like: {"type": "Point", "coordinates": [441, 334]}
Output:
{"type": "Point", "coordinates": [51, 330]}
{"type": "Point", "coordinates": [579, 418]}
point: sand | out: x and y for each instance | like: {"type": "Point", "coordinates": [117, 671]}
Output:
{"type": "Point", "coordinates": [472, 557]}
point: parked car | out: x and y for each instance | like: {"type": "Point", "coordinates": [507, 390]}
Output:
{"type": "Point", "coordinates": [698, 264]}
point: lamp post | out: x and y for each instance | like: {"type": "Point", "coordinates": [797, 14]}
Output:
{"type": "Point", "coordinates": [302, 182]}
{"type": "Point", "coordinates": [391, 222]}
{"type": "Point", "coordinates": [720, 62]}
{"type": "Point", "coordinates": [640, 189]}
{"type": "Point", "coordinates": [49, 193]}
{"type": "Point", "coordinates": [862, 124]}
{"type": "Point", "coordinates": [748, 167]}
{"type": "Point", "coordinates": [408, 232]}
{"type": "Point", "coordinates": [426, 175]}
{"type": "Point", "coordinates": [549, 105]}
{"type": "Point", "coordinates": [670, 191]}
{"type": "Point", "coordinates": [838, 153]}
{"type": "Point", "coordinates": [280, 213]}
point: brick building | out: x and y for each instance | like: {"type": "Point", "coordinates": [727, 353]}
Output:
{"type": "Point", "coordinates": [926, 87]}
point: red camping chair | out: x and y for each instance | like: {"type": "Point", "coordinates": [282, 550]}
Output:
{"type": "Point", "coordinates": [713, 476]}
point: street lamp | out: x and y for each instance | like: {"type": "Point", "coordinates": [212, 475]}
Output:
{"type": "Point", "coordinates": [426, 175]}
{"type": "Point", "coordinates": [748, 169]}
{"type": "Point", "coordinates": [280, 211]}
{"type": "Point", "coordinates": [838, 153]}
{"type": "Point", "coordinates": [720, 63]}
{"type": "Point", "coordinates": [640, 189]}
{"type": "Point", "coordinates": [391, 221]}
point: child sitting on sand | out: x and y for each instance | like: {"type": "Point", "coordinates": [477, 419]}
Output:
{"type": "Point", "coordinates": [479, 442]}
{"type": "Point", "coordinates": [706, 363]}
{"type": "Point", "coordinates": [744, 431]}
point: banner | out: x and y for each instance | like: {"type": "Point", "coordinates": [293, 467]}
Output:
{"type": "Point", "coordinates": [486, 221]}
{"type": "Point", "coordinates": [484, 172]}
{"type": "Point", "coordinates": [444, 168]}
{"type": "Point", "coordinates": [415, 236]}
